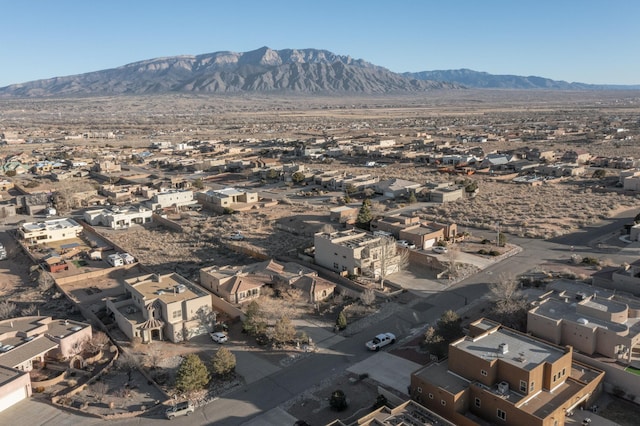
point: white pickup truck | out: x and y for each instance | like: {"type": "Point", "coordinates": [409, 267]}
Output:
{"type": "Point", "coordinates": [381, 340]}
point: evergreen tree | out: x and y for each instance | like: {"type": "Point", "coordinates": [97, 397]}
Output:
{"type": "Point", "coordinates": [224, 362]}
{"type": "Point", "coordinates": [412, 198]}
{"type": "Point", "coordinates": [364, 215]}
{"type": "Point", "coordinates": [192, 374]}
{"type": "Point", "coordinates": [284, 331]}
{"type": "Point", "coordinates": [341, 321]}
{"type": "Point", "coordinates": [297, 177]}
{"type": "Point", "coordinates": [253, 320]}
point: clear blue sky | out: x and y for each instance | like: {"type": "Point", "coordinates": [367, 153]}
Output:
{"type": "Point", "coordinates": [574, 40]}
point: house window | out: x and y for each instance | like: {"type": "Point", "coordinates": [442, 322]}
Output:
{"type": "Point", "coordinates": [483, 372]}
{"type": "Point", "coordinates": [564, 371]}
{"type": "Point", "coordinates": [523, 386]}
{"type": "Point", "coordinates": [443, 402]}
{"type": "Point", "coordinates": [419, 390]}
{"type": "Point", "coordinates": [554, 377]}
{"type": "Point", "coordinates": [478, 402]}
{"type": "Point", "coordinates": [177, 314]}
{"type": "Point", "coordinates": [502, 415]}
{"type": "Point", "coordinates": [241, 295]}
{"type": "Point", "coordinates": [531, 386]}
{"type": "Point", "coordinates": [335, 265]}
{"type": "Point", "coordinates": [430, 396]}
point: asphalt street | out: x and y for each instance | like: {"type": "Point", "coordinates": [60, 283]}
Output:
{"type": "Point", "coordinates": [250, 401]}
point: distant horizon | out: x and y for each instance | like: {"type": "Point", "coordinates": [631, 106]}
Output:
{"type": "Point", "coordinates": [591, 42]}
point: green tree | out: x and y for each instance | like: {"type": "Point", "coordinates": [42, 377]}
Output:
{"type": "Point", "coordinates": [297, 177]}
{"type": "Point", "coordinates": [198, 183]}
{"type": "Point", "coordinates": [192, 374]}
{"type": "Point", "coordinates": [273, 174]}
{"type": "Point", "coordinates": [450, 326]}
{"type": "Point", "coordinates": [283, 331]}
{"type": "Point", "coordinates": [338, 400]}
{"type": "Point", "coordinates": [224, 362]}
{"type": "Point", "coordinates": [341, 321]}
{"type": "Point", "coordinates": [253, 321]}
{"type": "Point", "coordinates": [412, 198]}
{"type": "Point", "coordinates": [350, 189]}
{"type": "Point", "coordinates": [502, 239]}
{"type": "Point", "coordinates": [364, 215]}
{"type": "Point", "coordinates": [448, 329]}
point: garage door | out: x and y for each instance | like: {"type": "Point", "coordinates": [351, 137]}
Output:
{"type": "Point", "coordinates": [13, 397]}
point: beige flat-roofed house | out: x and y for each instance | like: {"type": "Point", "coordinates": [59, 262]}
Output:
{"type": "Point", "coordinates": [504, 377]}
{"type": "Point", "coordinates": [159, 307]}
{"type": "Point", "coordinates": [228, 198]}
{"type": "Point", "coordinates": [118, 217]}
{"type": "Point", "coordinates": [593, 320]}
{"type": "Point", "coordinates": [49, 231]}
{"type": "Point", "coordinates": [171, 198]}
{"type": "Point", "coordinates": [355, 252]}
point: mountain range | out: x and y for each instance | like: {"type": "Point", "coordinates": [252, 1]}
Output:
{"type": "Point", "coordinates": [267, 70]}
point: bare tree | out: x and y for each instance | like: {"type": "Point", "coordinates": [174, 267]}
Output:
{"type": "Point", "coordinates": [129, 363]}
{"type": "Point", "coordinates": [453, 254]}
{"type": "Point", "coordinates": [386, 259]}
{"type": "Point", "coordinates": [99, 390]}
{"type": "Point", "coordinates": [154, 355]}
{"type": "Point", "coordinates": [99, 341]}
{"type": "Point", "coordinates": [206, 317]}
{"type": "Point", "coordinates": [367, 297]}
{"type": "Point", "coordinates": [7, 310]}
{"type": "Point", "coordinates": [45, 281]}
{"type": "Point", "coordinates": [506, 288]}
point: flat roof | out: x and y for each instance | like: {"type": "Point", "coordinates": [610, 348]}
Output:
{"type": "Point", "coordinates": [439, 375]}
{"type": "Point", "coordinates": [50, 225]}
{"type": "Point", "coordinates": [166, 288]}
{"type": "Point", "coordinates": [522, 351]}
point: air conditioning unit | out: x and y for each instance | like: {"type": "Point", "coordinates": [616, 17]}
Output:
{"type": "Point", "coordinates": [503, 387]}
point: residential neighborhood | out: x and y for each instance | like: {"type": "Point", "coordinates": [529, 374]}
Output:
{"type": "Point", "coordinates": [497, 256]}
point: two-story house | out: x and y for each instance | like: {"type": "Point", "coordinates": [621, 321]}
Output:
{"type": "Point", "coordinates": [505, 377]}
{"type": "Point", "coordinates": [159, 307]}
{"type": "Point", "coordinates": [356, 252]}
{"type": "Point", "coordinates": [592, 320]}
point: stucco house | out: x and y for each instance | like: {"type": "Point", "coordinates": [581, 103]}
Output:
{"type": "Point", "coordinates": [49, 231]}
{"type": "Point", "coordinates": [27, 341]}
{"type": "Point", "coordinates": [496, 375]}
{"type": "Point", "coordinates": [118, 217]}
{"type": "Point", "coordinates": [159, 307]}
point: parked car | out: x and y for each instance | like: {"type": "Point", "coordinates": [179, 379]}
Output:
{"type": "Point", "coordinates": [439, 249]}
{"type": "Point", "coordinates": [381, 340]}
{"type": "Point", "coordinates": [180, 409]}
{"type": "Point", "coordinates": [236, 236]}
{"type": "Point", "coordinates": [406, 244]}
{"type": "Point", "coordinates": [218, 337]}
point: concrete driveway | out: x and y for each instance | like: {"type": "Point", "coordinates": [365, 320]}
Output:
{"type": "Point", "coordinates": [387, 369]}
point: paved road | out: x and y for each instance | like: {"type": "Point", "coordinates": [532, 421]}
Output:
{"type": "Point", "coordinates": [249, 402]}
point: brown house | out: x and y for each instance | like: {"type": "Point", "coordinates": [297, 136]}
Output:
{"type": "Point", "coordinates": [505, 377]}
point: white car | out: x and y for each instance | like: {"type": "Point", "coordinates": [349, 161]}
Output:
{"type": "Point", "coordinates": [439, 249]}
{"type": "Point", "coordinates": [406, 244]}
{"type": "Point", "coordinates": [381, 340]}
{"type": "Point", "coordinates": [218, 337]}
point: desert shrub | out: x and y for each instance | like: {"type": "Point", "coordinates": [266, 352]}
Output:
{"type": "Point", "coordinates": [494, 253]}
{"type": "Point", "coordinates": [590, 261]}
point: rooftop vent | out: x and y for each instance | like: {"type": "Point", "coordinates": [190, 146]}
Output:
{"type": "Point", "coordinates": [503, 387]}
{"type": "Point", "coordinates": [181, 288]}
{"type": "Point", "coordinates": [503, 348]}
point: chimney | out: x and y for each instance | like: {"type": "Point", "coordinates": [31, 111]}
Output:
{"type": "Point", "coordinates": [503, 348]}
